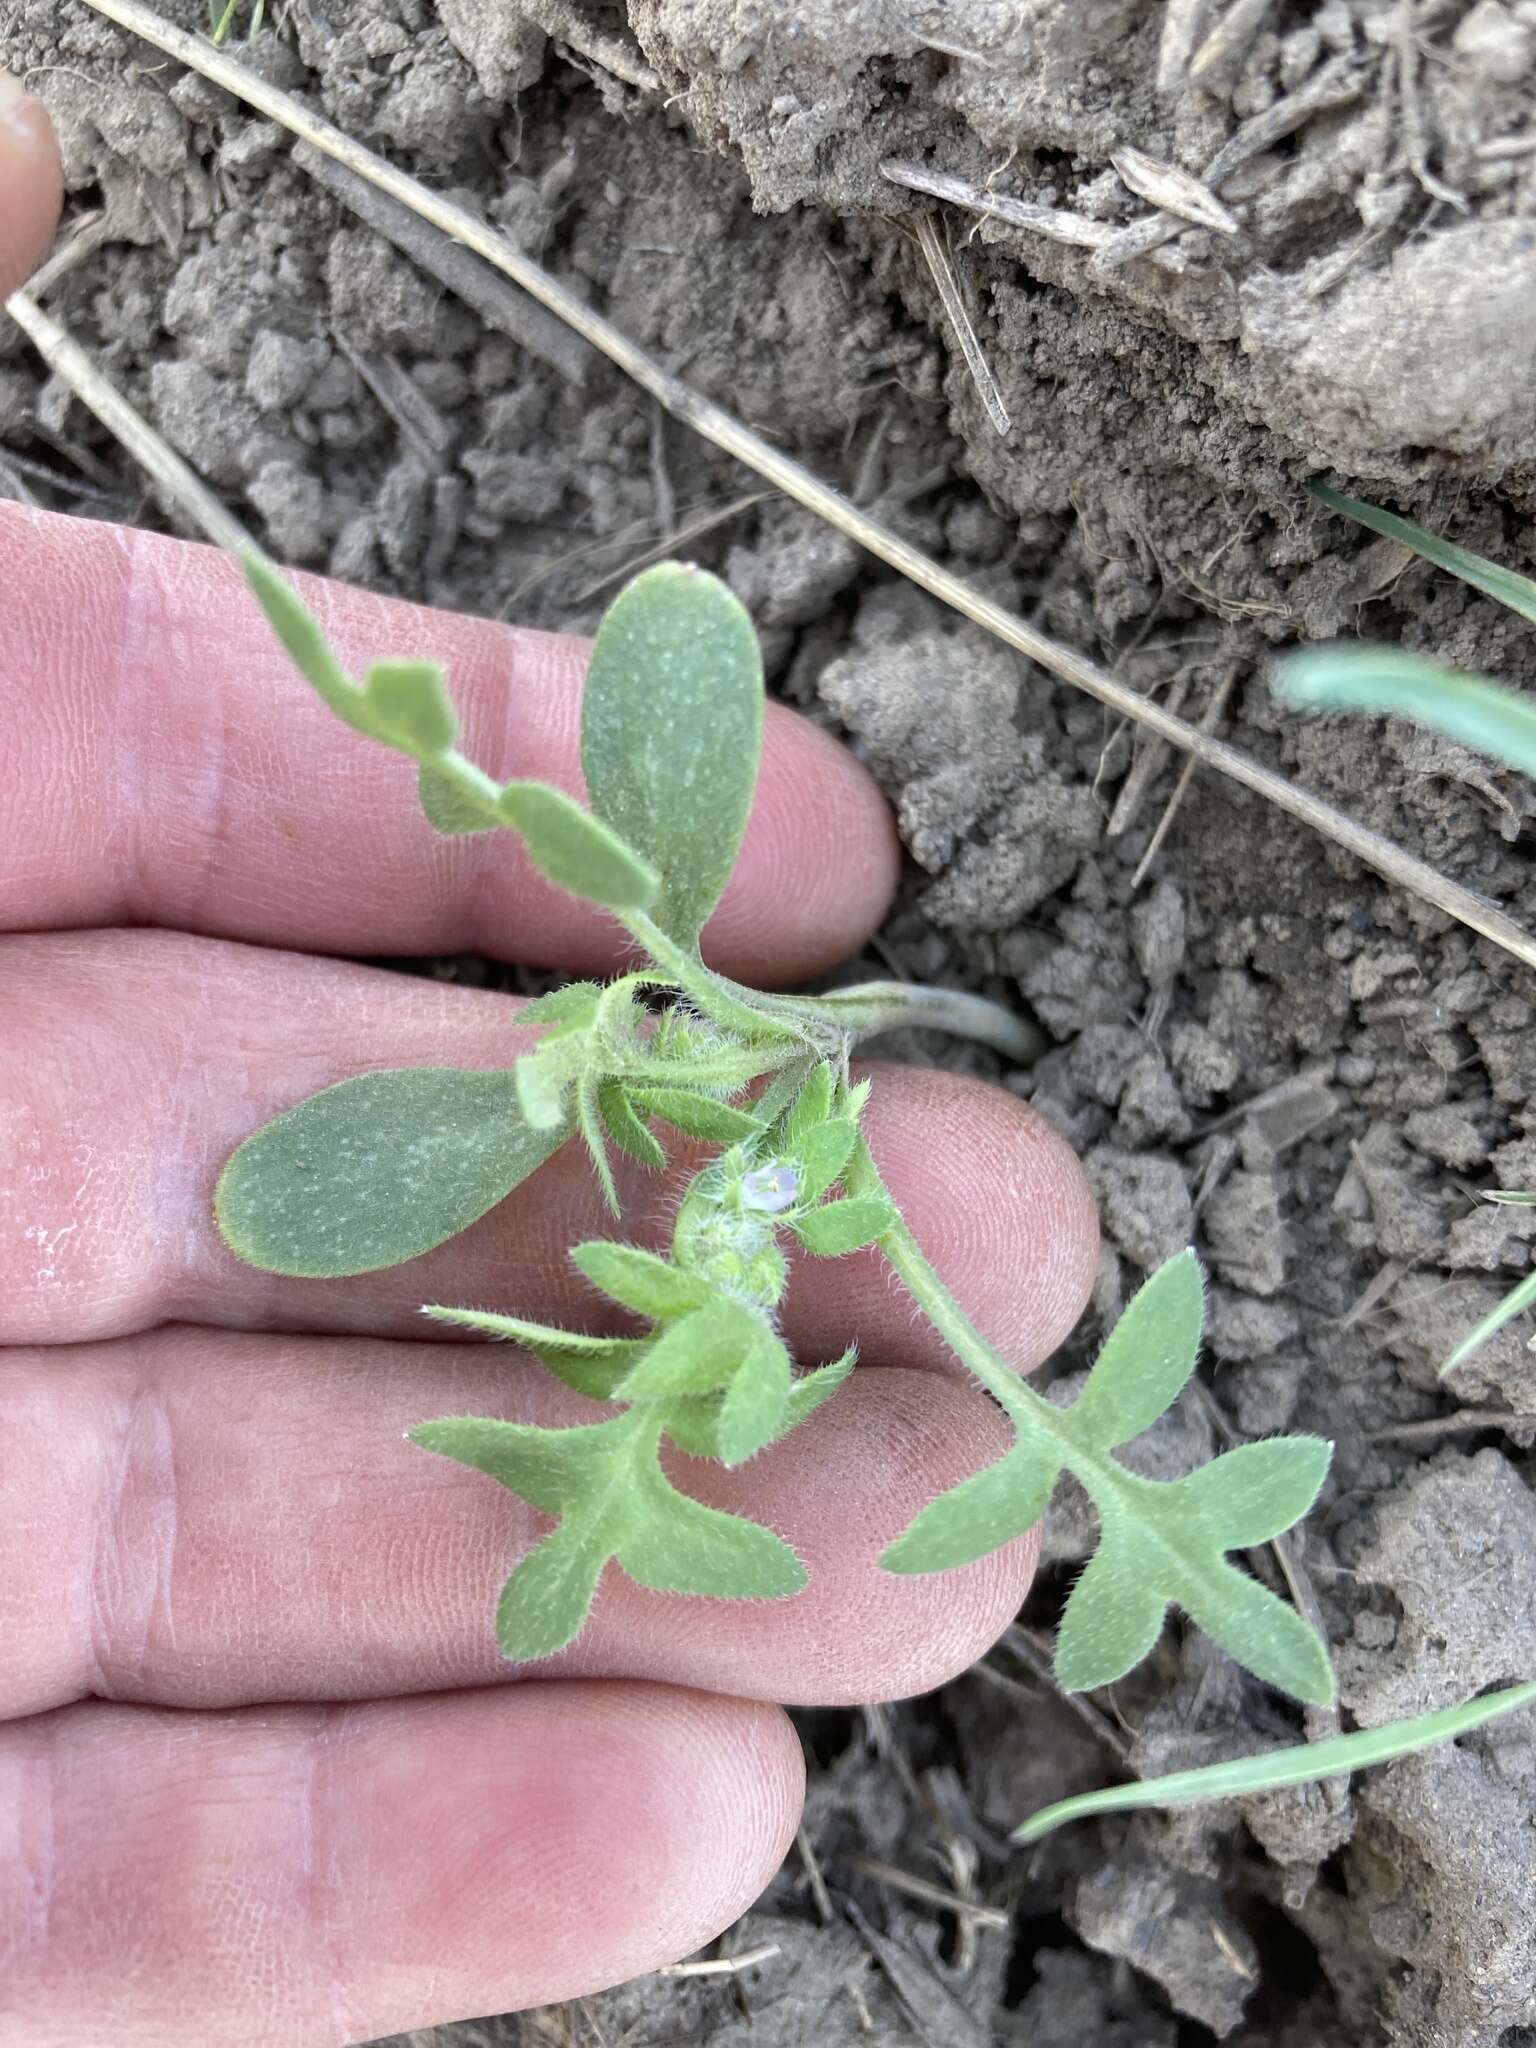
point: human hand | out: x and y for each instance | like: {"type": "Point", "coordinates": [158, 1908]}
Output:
{"type": "Point", "coordinates": [262, 1776]}
{"type": "Point", "coordinates": [31, 182]}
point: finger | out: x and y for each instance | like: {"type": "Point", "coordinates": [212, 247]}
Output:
{"type": "Point", "coordinates": [168, 767]}
{"type": "Point", "coordinates": [137, 1062]}
{"type": "Point", "coordinates": [31, 183]}
{"type": "Point", "coordinates": [205, 1518]}
{"type": "Point", "coordinates": [311, 1877]}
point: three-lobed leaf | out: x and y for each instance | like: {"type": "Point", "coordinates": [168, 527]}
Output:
{"type": "Point", "coordinates": [1162, 1542]}
{"type": "Point", "coordinates": [377, 1170]}
{"type": "Point", "coordinates": [671, 733]}
{"type": "Point", "coordinates": [604, 1485]}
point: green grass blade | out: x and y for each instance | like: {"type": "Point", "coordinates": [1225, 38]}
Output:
{"type": "Point", "coordinates": [1518, 1299]}
{"type": "Point", "coordinates": [1507, 586]}
{"type": "Point", "coordinates": [1468, 709]}
{"type": "Point", "coordinates": [1268, 1772]}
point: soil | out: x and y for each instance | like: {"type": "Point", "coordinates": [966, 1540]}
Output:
{"type": "Point", "coordinates": [1257, 1046]}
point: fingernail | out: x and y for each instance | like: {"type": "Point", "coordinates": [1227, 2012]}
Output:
{"type": "Point", "coordinates": [12, 93]}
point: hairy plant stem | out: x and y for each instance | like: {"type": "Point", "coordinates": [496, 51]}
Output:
{"type": "Point", "coordinates": [874, 1006]}
{"type": "Point", "coordinates": [862, 1011]}
{"type": "Point", "coordinates": [715, 996]}
{"type": "Point", "coordinates": [1031, 1414]}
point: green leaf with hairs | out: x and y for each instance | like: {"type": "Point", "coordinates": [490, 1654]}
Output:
{"type": "Point", "coordinates": [696, 1354]}
{"type": "Point", "coordinates": [813, 1387]}
{"type": "Point", "coordinates": [410, 707]}
{"type": "Point", "coordinates": [641, 1281]}
{"type": "Point", "coordinates": [575, 850]}
{"type": "Point", "coordinates": [1508, 586]}
{"type": "Point", "coordinates": [821, 1154]}
{"type": "Point", "coordinates": [1147, 1358]}
{"type": "Point", "coordinates": [671, 733]}
{"type": "Point", "coordinates": [842, 1227]}
{"type": "Point", "coordinates": [587, 1365]}
{"type": "Point", "coordinates": [456, 805]}
{"type": "Point", "coordinates": [377, 1170]}
{"type": "Point", "coordinates": [604, 1485]}
{"type": "Point", "coordinates": [626, 1128]}
{"type": "Point", "coordinates": [681, 1546]}
{"type": "Point", "coordinates": [698, 1116]}
{"type": "Point", "coordinates": [752, 1412]}
{"type": "Point", "coordinates": [978, 1516]}
{"type": "Point", "coordinates": [1162, 1543]}
{"type": "Point", "coordinates": [571, 1008]}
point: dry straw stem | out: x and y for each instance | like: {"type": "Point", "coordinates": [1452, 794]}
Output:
{"type": "Point", "coordinates": [728, 433]}
{"type": "Point", "coordinates": [70, 362]}
{"type": "Point", "coordinates": [937, 259]}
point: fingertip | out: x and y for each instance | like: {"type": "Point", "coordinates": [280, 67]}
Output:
{"type": "Point", "coordinates": [999, 1204]}
{"type": "Point", "coordinates": [819, 865]}
{"type": "Point", "coordinates": [31, 182]}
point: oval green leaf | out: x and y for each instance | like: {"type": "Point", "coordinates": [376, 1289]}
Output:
{"type": "Point", "coordinates": [377, 1170]}
{"type": "Point", "coordinates": [576, 851]}
{"type": "Point", "coordinates": [671, 733]}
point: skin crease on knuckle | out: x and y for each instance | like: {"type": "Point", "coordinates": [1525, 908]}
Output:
{"type": "Point", "coordinates": [286, 1874]}
{"type": "Point", "coordinates": [200, 787]}
{"type": "Point", "coordinates": [299, 1877]}
{"type": "Point", "coordinates": [144, 1568]}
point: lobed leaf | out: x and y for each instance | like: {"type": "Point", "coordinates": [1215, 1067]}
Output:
{"type": "Point", "coordinates": [377, 1170]}
{"type": "Point", "coordinates": [1305, 1763]}
{"type": "Point", "coordinates": [671, 733]}
{"type": "Point", "coordinates": [1508, 586]}
{"type": "Point", "coordinates": [605, 1484]}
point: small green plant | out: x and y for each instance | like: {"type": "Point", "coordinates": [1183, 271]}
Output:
{"type": "Point", "coordinates": [1472, 710]}
{"type": "Point", "coordinates": [1304, 1763]}
{"type": "Point", "coordinates": [381, 1168]}
{"type": "Point", "coordinates": [222, 15]}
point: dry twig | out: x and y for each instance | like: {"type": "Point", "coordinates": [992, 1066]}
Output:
{"type": "Point", "coordinates": [937, 259]}
{"type": "Point", "coordinates": [728, 433]}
